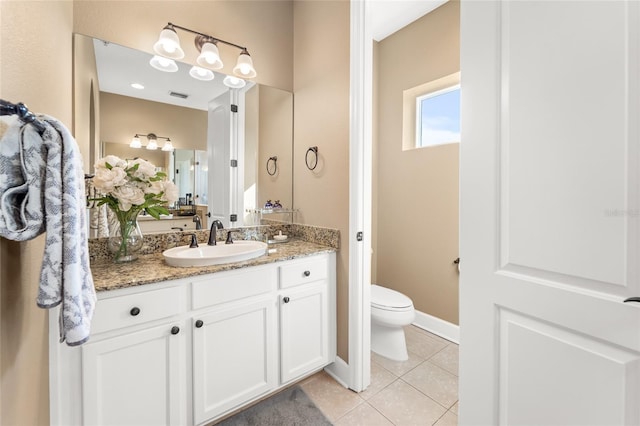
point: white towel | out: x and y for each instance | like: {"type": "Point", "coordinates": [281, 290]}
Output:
{"type": "Point", "coordinates": [42, 189]}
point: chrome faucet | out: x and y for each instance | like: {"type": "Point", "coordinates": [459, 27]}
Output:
{"type": "Point", "coordinates": [198, 222]}
{"type": "Point", "coordinates": [215, 225]}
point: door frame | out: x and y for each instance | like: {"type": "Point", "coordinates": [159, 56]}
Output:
{"type": "Point", "coordinates": [360, 189]}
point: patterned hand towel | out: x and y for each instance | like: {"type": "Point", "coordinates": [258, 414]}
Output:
{"type": "Point", "coordinates": [42, 189]}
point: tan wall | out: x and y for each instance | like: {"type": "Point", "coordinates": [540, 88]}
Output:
{"type": "Point", "coordinates": [264, 27]}
{"type": "Point", "coordinates": [122, 117]}
{"type": "Point", "coordinates": [417, 190]}
{"type": "Point", "coordinates": [321, 118]}
{"type": "Point", "coordinates": [86, 101]}
{"type": "Point", "coordinates": [35, 68]}
{"type": "Point", "coordinates": [276, 139]}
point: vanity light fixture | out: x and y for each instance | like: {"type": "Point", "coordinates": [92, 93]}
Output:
{"type": "Point", "coordinates": [153, 142]}
{"type": "Point", "coordinates": [168, 48]}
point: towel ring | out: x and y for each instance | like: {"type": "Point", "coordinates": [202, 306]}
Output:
{"type": "Point", "coordinates": [314, 150]}
{"type": "Point", "coordinates": [275, 165]}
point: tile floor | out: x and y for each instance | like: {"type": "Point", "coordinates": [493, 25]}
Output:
{"type": "Point", "coordinates": [420, 391]}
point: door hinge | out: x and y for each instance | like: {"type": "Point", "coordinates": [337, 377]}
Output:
{"type": "Point", "coordinates": [359, 236]}
{"type": "Point", "coordinates": [233, 217]}
{"type": "Point", "coordinates": [234, 163]}
{"type": "Point", "coordinates": [234, 108]}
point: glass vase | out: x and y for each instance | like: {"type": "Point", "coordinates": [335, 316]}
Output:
{"type": "Point", "coordinates": [125, 240]}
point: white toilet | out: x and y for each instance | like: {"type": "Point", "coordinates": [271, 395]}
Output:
{"type": "Point", "coordinates": [390, 311]}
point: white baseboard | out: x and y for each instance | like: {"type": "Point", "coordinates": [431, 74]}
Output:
{"type": "Point", "coordinates": [438, 326]}
{"type": "Point", "coordinates": [339, 370]}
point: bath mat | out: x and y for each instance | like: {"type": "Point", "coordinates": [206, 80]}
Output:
{"type": "Point", "coordinates": [291, 407]}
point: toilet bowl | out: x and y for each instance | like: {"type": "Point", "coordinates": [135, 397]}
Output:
{"type": "Point", "coordinates": [390, 312]}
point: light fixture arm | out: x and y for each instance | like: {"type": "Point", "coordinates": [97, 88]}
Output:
{"type": "Point", "coordinates": [152, 136]}
{"type": "Point", "coordinates": [199, 41]}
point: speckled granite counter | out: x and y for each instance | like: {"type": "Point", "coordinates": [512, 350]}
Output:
{"type": "Point", "coordinates": [151, 268]}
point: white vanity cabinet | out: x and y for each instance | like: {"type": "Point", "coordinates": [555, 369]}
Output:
{"type": "Point", "coordinates": [235, 336]}
{"type": "Point", "coordinates": [189, 351]}
{"type": "Point", "coordinates": [306, 317]}
{"type": "Point", "coordinates": [125, 379]}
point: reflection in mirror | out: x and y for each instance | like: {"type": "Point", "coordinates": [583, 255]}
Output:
{"type": "Point", "coordinates": [187, 111]}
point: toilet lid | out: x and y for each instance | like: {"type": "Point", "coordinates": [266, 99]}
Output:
{"type": "Point", "coordinates": [382, 297]}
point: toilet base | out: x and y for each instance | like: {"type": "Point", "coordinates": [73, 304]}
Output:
{"type": "Point", "coordinates": [389, 342]}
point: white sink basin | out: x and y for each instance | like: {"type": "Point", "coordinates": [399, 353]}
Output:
{"type": "Point", "coordinates": [185, 256]}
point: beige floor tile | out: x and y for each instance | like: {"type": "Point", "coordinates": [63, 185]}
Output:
{"type": "Point", "coordinates": [397, 367]}
{"type": "Point", "coordinates": [447, 358]}
{"type": "Point", "coordinates": [330, 397]}
{"type": "Point", "coordinates": [434, 382]}
{"type": "Point", "coordinates": [421, 343]}
{"type": "Point", "coordinates": [454, 409]}
{"type": "Point", "coordinates": [403, 405]}
{"type": "Point", "coordinates": [427, 333]}
{"type": "Point", "coordinates": [363, 415]}
{"type": "Point", "coordinates": [449, 419]}
{"type": "Point", "coordinates": [380, 378]}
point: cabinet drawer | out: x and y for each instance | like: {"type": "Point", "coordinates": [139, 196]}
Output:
{"type": "Point", "coordinates": [132, 309]}
{"type": "Point", "coordinates": [230, 286]}
{"type": "Point", "coordinates": [302, 272]}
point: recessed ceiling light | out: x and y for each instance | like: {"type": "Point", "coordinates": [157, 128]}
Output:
{"type": "Point", "coordinates": [137, 86]}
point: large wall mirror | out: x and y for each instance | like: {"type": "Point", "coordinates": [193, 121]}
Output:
{"type": "Point", "coordinates": [110, 108]}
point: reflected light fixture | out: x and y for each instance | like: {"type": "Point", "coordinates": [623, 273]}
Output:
{"type": "Point", "coordinates": [234, 82]}
{"type": "Point", "coordinates": [200, 73]}
{"type": "Point", "coordinates": [153, 142]}
{"type": "Point", "coordinates": [163, 64]}
{"type": "Point", "coordinates": [168, 48]}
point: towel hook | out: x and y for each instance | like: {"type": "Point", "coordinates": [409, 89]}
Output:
{"type": "Point", "coordinates": [314, 151]}
{"type": "Point", "coordinates": [275, 165]}
{"type": "Point", "coordinates": [21, 110]}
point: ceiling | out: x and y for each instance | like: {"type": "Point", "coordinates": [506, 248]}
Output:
{"type": "Point", "coordinates": [388, 16]}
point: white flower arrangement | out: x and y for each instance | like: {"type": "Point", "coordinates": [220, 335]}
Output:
{"type": "Point", "coordinates": [131, 186]}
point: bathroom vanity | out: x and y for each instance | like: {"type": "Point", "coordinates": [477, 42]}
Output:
{"type": "Point", "coordinates": [190, 349]}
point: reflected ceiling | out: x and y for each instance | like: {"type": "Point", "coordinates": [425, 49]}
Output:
{"type": "Point", "coordinates": [119, 67]}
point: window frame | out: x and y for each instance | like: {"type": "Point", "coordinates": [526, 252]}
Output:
{"type": "Point", "coordinates": [419, 143]}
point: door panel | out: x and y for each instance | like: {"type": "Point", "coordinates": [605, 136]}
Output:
{"type": "Point", "coordinates": [549, 212]}
{"type": "Point", "coordinates": [556, 363]}
{"type": "Point", "coordinates": [566, 126]}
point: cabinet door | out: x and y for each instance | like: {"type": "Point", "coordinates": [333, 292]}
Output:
{"type": "Point", "coordinates": [234, 356]}
{"type": "Point", "coordinates": [136, 379]}
{"type": "Point", "coordinates": [304, 328]}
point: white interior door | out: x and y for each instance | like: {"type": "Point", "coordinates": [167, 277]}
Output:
{"type": "Point", "coordinates": [549, 213]}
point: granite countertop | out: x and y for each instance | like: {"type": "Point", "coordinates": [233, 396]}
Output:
{"type": "Point", "coordinates": [151, 268]}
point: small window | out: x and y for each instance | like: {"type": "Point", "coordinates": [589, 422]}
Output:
{"type": "Point", "coordinates": [431, 113]}
{"type": "Point", "coordinates": [438, 117]}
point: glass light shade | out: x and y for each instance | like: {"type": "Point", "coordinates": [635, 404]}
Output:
{"type": "Point", "coordinates": [135, 143]}
{"type": "Point", "coordinates": [168, 45]}
{"type": "Point", "coordinates": [244, 66]}
{"type": "Point", "coordinates": [163, 64]}
{"type": "Point", "coordinates": [201, 73]}
{"type": "Point", "coordinates": [168, 146]}
{"type": "Point", "coordinates": [234, 82]}
{"type": "Point", "coordinates": [209, 57]}
{"type": "Point", "coordinates": [153, 144]}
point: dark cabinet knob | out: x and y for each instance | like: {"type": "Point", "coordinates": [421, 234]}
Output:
{"type": "Point", "coordinates": [307, 273]}
{"type": "Point", "coordinates": [175, 329]}
{"type": "Point", "coordinates": [199, 323]}
{"type": "Point", "coordinates": [134, 311]}
{"type": "Point", "coordinates": [286, 299]}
